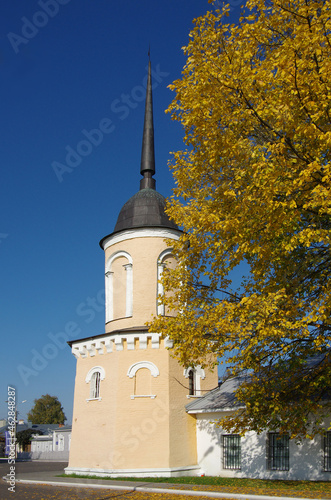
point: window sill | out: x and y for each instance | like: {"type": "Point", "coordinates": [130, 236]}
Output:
{"type": "Point", "coordinates": [193, 396]}
{"type": "Point", "coordinates": [274, 469]}
{"type": "Point", "coordinates": [152, 396]}
{"type": "Point", "coordinates": [93, 399]}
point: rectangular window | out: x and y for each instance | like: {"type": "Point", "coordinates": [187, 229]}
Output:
{"type": "Point", "coordinates": [327, 451]}
{"type": "Point", "coordinates": [278, 451]}
{"type": "Point", "coordinates": [231, 451]}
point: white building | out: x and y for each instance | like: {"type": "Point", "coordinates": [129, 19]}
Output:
{"type": "Point", "coordinates": [54, 445]}
{"type": "Point", "coordinates": [263, 456]}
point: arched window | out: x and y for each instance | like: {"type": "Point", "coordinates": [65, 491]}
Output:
{"type": "Point", "coordinates": [191, 382]}
{"type": "Point", "coordinates": [142, 382]}
{"type": "Point", "coordinates": [165, 260]}
{"type": "Point", "coordinates": [141, 373]}
{"type": "Point", "coordinates": [194, 376]}
{"type": "Point", "coordinates": [94, 377]}
{"type": "Point", "coordinates": [119, 286]}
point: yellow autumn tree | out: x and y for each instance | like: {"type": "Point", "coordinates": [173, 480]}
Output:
{"type": "Point", "coordinates": [253, 187]}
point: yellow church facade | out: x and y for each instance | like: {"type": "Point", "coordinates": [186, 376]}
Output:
{"type": "Point", "coordinates": [129, 415]}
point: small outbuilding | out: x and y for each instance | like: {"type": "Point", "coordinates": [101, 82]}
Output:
{"type": "Point", "coordinates": [269, 455]}
{"type": "Point", "coordinates": [54, 445]}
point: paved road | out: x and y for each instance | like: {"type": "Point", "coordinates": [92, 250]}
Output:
{"type": "Point", "coordinates": [43, 492]}
{"type": "Point", "coordinates": [21, 467]}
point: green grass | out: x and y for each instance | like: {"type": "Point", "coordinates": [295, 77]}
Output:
{"type": "Point", "coordinates": [231, 484]}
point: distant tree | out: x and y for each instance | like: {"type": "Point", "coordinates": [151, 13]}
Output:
{"type": "Point", "coordinates": [47, 410]}
{"type": "Point", "coordinates": [24, 437]}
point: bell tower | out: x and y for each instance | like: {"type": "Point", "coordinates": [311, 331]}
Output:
{"type": "Point", "coordinates": [129, 405]}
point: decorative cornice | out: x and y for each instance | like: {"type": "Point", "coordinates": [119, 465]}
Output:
{"type": "Point", "coordinates": [110, 343]}
{"type": "Point", "coordinates": [129, 234]}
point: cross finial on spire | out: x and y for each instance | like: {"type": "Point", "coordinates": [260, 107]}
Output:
{"type": "Point", "coordinates": [147, 165]}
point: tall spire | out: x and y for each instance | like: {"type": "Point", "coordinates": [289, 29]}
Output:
{"type": "Point", "coordinates": [147, 165]}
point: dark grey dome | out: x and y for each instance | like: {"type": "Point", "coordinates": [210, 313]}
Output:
{"type": "Point", "coordinates": [145, 208]}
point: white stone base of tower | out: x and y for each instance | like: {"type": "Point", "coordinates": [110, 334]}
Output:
{"type": "Point", "coordinates": [190, 470]}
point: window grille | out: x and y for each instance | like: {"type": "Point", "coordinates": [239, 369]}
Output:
{"type": "Point", "coordinates": [327, 451]}
{"type": "Point", "coordinates": [231, 451]}
{"type": "Point", "coordinates": [95, 385]}
{"type": "Point", "coordinates": [278, 451]}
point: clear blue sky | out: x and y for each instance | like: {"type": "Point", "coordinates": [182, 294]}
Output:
{"type": "Point", "coordinates": [68, 67]}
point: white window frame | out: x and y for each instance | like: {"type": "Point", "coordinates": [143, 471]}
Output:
{"type": "Point", "coordinates": [160, 268]}
{"type": "Point", "coordinates": [137, 366]}
{"type": "Point", "coordinates": [198, 374]}
{"type": "Point", "coordinates": [90, 379]}
{"type": "Point", "coordinates": [109, 285]}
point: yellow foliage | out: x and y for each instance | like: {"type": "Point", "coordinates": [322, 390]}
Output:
{"type": "Point", "coordinates": [253, 186]}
